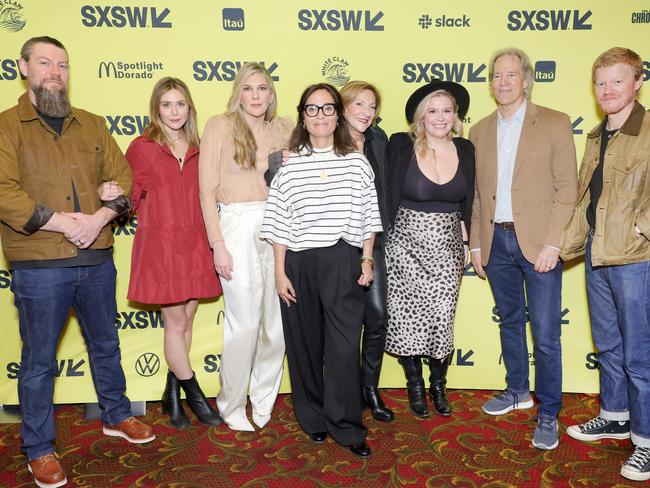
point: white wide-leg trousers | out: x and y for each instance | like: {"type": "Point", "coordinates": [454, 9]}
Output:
{"type": "Point", "coordinates": [253, 342]}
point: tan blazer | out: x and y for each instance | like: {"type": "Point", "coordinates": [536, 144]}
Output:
{"type": "Point", "coordinates": [544, 181]}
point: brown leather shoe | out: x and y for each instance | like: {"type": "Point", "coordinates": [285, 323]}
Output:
{"type": "Point", "coordinates": [47, 471]}
{"type": "Point", "coordinates": [132, 430]}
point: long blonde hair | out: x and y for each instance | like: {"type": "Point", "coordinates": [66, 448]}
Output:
{"type": "Point", "coordinates": [417, 127]}
{"type": "Point", "coordinates": [245, 145]}
{"type": "Point", "coordinates": [154, 130]}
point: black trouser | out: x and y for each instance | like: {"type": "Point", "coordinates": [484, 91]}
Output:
{"type": "Point", "coordinates": [322, 332]}
{"type": "Point", "coordinates": [375, 321]}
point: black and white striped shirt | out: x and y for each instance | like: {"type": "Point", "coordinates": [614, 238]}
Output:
{"type": "Point", "coordinates": [317, 199]}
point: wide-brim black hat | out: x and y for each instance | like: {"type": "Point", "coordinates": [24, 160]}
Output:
{"type": "Point", "coordinates": [458, 92]}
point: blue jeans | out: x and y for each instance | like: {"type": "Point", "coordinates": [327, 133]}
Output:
{"type": "Point", "coordinates": [43, 297]}
{"type": "Point", "coordinates": [619, 307]}
{"type": "Point", "coordinates": [508, 271]}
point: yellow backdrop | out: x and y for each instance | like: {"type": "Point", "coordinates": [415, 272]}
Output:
{"type": "Point", "coordinates": [118, 49]}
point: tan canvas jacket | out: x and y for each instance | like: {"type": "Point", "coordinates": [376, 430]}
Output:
{"type": "Point", "coordinates": [624, 202]}
{"type": "Point", "coordinates": [37, 167]}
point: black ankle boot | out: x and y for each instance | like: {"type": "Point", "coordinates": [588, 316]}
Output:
{"type": "Point", "coordinates": [198, 403]}
{"type": "Point", "coordinates": [415, 385]}
{"type": "Point", "coordinates": [437, 389]}
{"type": "Point", "coordinates": [379, 410]}
{"type": "Point", "coordinates": [171, 403]}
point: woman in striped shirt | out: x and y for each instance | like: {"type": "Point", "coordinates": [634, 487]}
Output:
{"type": "Point", "coordinates": [322, 208]}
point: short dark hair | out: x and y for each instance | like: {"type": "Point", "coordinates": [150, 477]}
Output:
{"type": "Point", "coordinates": [343, 143]}
{"type": "Point", "coordinates": [28, 47]}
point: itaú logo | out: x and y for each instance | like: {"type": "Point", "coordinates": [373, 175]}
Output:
{"type": "Point", "coordinates": [124, 70]}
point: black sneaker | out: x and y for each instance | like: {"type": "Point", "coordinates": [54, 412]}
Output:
{"type": "Point", "coordinates": [637, 466]}
{"type": "Point", "coordinates": [600, 428]}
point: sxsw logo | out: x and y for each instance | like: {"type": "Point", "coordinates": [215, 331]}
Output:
{"type": "Point", "coordinates": [646, 70]}
{"type": "Point", "coordinates": [126, 125]}
{"type": "Point", "coordinates": [335, 20]}
{"type": "Point", "coordinates": [5, 279]}
{"type": "Point", "coordinates": [212, 363]}
{"type": "Point", "coordinates": [541, 20]}
{"type": "Point", "coordinates": [545, 71]}
{"type": "Point", "coordinates": [496, 317]}
{"type": "Point", "coordinates": [9, 69]}
{"type": "Point", "coordinates": [575, 125]}
{"type": "Point", "coordinates": [120, 16]}
{"type": "Point", "coordinates": [458, 72]}
{"type": "Point", "coordinates": [233, 19]}
{"type": "Point", "coordinates": [63, 367]}
{"type": "Point", "coordinates": [425, 21]}
{"type": "Point", "coordinates": [124, 225]}
{"type": "Point", "coordinates": [142, 319]}
{"type": "Point", "coordinates": [225, 70]}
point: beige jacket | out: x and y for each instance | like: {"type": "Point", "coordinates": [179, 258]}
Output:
{"type": "Point", "coordinates": [624, 202]}
{"type": "Point", "coordinates": [543, 182]}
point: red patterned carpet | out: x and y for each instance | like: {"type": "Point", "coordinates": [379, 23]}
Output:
{"type": "Point", "coordinates": [468, 449]}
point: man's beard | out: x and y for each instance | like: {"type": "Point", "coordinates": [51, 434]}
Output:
{"type": "Point", "coordinates": [53, 103]}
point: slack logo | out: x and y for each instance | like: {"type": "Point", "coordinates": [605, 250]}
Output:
{"type": "Point", "coordinates": [545, 71]}
{"type": "Point", "coordinates": [233, 19]}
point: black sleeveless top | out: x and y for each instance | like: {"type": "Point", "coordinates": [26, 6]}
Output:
{"type": "Point", "coordinates": [422, 194]}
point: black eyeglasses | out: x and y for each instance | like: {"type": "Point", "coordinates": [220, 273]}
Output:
{"type": "Point", "coordinates": [312, 110]}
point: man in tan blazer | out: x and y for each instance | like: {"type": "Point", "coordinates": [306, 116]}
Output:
{"type": "Point", "coordinates": [525, 190]}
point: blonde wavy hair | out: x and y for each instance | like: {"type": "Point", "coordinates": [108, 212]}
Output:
{"type": "Point", "coordinates": [418, 133]}
{"type": "Point", "coordinates": [154, 131]}
{"type": "Point", "coordinates": [245, 145]}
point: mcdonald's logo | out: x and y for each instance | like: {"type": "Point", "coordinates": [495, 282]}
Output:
{"type": "Point", "coordinates": [147, 364]}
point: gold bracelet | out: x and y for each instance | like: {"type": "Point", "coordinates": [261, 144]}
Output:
{"type": "Point", "coordinates": [366, 259]}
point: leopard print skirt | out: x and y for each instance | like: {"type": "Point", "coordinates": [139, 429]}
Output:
{"type": "Point", "coordinates": [425, 261]}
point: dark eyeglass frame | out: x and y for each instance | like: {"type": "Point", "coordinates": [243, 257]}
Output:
{"type": "Point", "coordinates": [320, 108]}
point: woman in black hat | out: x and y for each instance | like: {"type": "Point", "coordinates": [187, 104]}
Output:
{"type": "Point", "coordinates": [430, 204]}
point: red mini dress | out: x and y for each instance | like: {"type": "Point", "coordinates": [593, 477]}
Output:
{"type": "Point", "coordinates": [171, 260]}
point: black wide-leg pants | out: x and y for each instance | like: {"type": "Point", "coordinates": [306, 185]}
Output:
{"type": "Point", "coordinates": [322, 334]}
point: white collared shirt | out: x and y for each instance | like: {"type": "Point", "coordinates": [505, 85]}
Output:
{"type": "Point", "coordinates": [508, 132]}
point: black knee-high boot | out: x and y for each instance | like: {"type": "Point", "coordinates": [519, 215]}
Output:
{"type": "Point", "coordinates": [171, 403]}
{"type": "Point", "coordinates": [415, 384]}
{"type": "Point", "coordinates": [198, 403]}
{"type": "Point", "coordinates": [437, 385]}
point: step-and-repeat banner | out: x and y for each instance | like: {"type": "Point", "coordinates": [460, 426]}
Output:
{"type": "Point", "coordinates": [119, 48]}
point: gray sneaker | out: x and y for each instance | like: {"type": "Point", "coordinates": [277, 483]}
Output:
{"type": "Point", "coordinates": [600, 428]}
{"type": "Point", "coordinates": [637, 466]}
{"type": "Point", "coordinates": [546, 436]}
{"type": "Point", "coordinates": [506, 401]}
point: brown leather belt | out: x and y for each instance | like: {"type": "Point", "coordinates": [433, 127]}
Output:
{"type": "Point", "coordinates": [505, 225]}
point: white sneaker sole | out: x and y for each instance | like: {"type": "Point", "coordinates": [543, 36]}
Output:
{"type": "Point", "coordinates": [520, 406]}
{"type": "Point", "coordinates": [47, 485]}
{"type": "Point", "coordinates": [545, 447]}
{"type": "Point", "coordinates": [634, 475]}
{"type": "Point", "coordinates": [574, 432]}
{"type": "Point", "coordinates": [119, 433]}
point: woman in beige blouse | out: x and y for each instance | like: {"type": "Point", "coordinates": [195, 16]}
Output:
{"type": "Point", "coordinates": [233, 159]}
